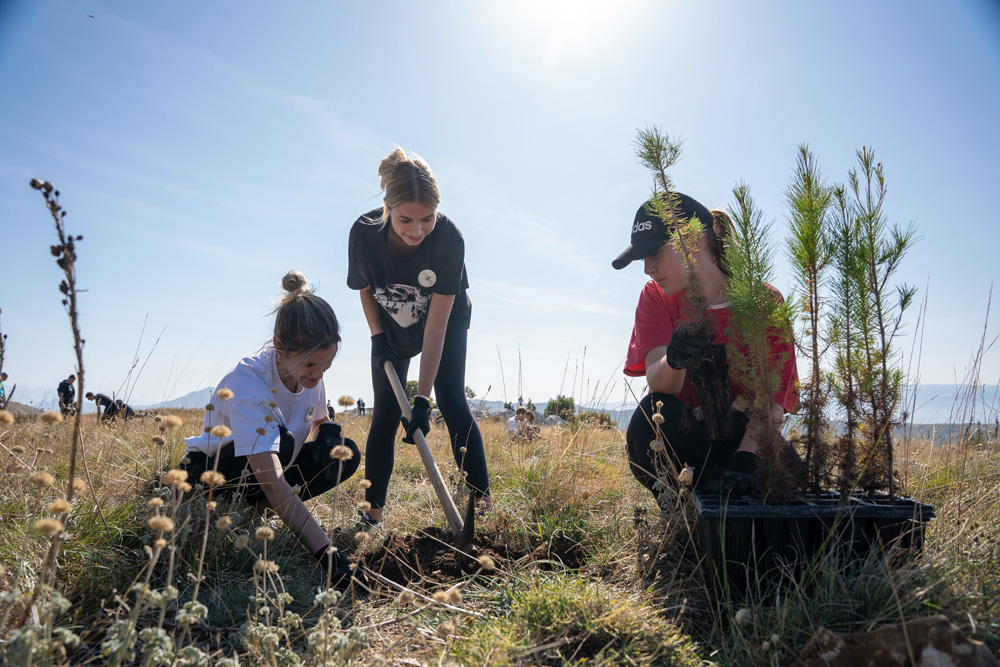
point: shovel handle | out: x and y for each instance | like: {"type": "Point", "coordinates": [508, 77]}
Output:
{"type": "Point", "coordinates": [450, 511]}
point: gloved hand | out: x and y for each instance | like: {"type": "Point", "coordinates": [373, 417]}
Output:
{"type": "Point", "coordinates": [381, 352]}
{"type": "Point", "coordinates": [328, 435]}
{"type": "Point", "coordinates": [420, 418]}
{"type": "Point", "coordinates": [343, 576]}
{"type": "Point", "coordinates": [685, 344]}
{"type": "Point", "coordinates": [739, 478]}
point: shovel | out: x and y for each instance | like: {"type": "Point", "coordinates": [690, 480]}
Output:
{"type": "Point", "coordinates": [450, 511]}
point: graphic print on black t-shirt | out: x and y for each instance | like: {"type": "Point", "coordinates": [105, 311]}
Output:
{"type": "Point", "coordinates": [406, 304]}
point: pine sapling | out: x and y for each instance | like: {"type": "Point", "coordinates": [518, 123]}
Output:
{"type": "Point", "coordinates": [760, 321]}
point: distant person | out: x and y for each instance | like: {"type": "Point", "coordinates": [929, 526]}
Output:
{"type": "Point", "coordinates": [408, 262]}
{"type": "Point", "coordinates": [330, 411]}
{"type": "Point", "coordinates": [660, 348]}
{"type": "Point", "coordinates": [515, 423]}
{"type": "Point", "coordinates": [3, 390]}
{"type": "Point", "coordinates": [361, 407]}
{"type": "Point", "coordinates": [109, 409]}
{"type": "Point", "coordinates": [277, 416]}
{"type": "Point", "coordinates": [67, 394]}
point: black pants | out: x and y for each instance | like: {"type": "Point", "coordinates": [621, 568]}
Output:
{"type": "Point", "coordinates": [685, 439]}
{"type": "Point", "coordinates": [449, 392]}
{"type": "Point", "coordinates": [314, 471]}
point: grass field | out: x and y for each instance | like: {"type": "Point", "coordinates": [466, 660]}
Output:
{"type": "Point", "coordinates": [576, 565]}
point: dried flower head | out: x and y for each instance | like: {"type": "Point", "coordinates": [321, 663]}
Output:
{"type": "Point", "coordinates": [742, 616]}
{"type": "Point", "coordinates": [487, 563]}
{"type": "Point", "coordinates": [463, 449]}
{"type": "Point", "coordinates": [48, 526]}
{"type": "Point", "coordinates": [264, 533]}
{"type": "Point", "coordinates": [173, 421]}
{"type": "Point", "coordinates": [365, 484]}
{"type": "Point", "coordinates": [225, 393]}
{"type": "Point", "coordinates": [274, 390]}
{"type": "Point", "coordinates": [406, 596]}
{"type": "Point", "coordinates": [296, 490]}
{"type": "Point", "coordinates": [221, 432]}
{"type": "Point", "coordinates": [59, 506]}
{"type": "Point", "coordinates": [184, 487]}
{"type": "Point", "coordinates": [444, 629]}
{"type": "Point", "coordinates": [159, 543]}
{"type": "Point", "coordinates": [79, 485]}
{"type": "Point", "coordinates": [211, 505]}
{"type": "Point", "coordinates": [272, 404]}
{"type": "Point", "coordinates": [42, 478]}
{"type": "Point", "coordinates": [157, 419]}
{"type": "Point", "coordinates": [161, 524]}
{"type": "Point", "coordinates": [441, 597]}
{"type": "Point", "coordinates": [340, 453]}
{"type": "Point", "coordinates": [242, 541]}
{"type": "Point", "coordinates": [657, 446]}
{"type": "Point", "coordinates": [156, 503]}
{"type": "Point", "coordinates": [262, 566]}
{"type": "Point", "coordinates": [659, 404]}
{"type": "Point", "coordinates": [184, 461]}
{"type": "Point", "coordinates": [261, 430]}
{"type": "Point", "coordinates": [364, 506]}
{"type": "Point", "coordinates": [223, 522]}
{"type": "Point", "coordinates": [585, 494]}
{"type": "Point", "coordinates": [212, 478]}
{"type": "Point", "coordinates": [159, 441]}
{"type": "Point", "coordinates": [269, 418]}
{"type": "Point", "coordinates": [454, 595]}
{"type": "Point", "coordinates": [6, 417]}
{"type": "Point", "coordinates": [173, 477]}
{"type": "Point", "coordinates": [209, 407]}
{"type": "Point", "coordinates": [50, 417]}
{"type": "Point", "coordinates": [18, 449]}
{"type": "Point", "coordinates": [360, 536]}
{"type": "Point", "coordinates": [657, 419]}
{"type": "Point", "coordinates": [686, 476]}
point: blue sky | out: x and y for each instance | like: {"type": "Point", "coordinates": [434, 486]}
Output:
{"type": "Point", "coordinates": [203, 149]}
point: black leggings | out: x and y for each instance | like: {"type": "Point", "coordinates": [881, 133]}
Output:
{"type": "Point", "coordinates": [685, 440]}
{"type": "Point", "coordinates": [449, 392]}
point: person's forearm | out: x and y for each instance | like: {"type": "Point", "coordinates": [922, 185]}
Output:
{"type": "Point", "coordinates": [434, 332]}
{"type": "Point", "coordinates": [373, 311]}
{"type": "Point", "coordinates": [291, 509]}
{"type": "Point", "coordinates": [661, 378]}
{"type": "Point", "coordinates": [750, 441]}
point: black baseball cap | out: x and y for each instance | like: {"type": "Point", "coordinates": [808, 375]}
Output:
{"type": "Point", "coordinates": [650, 232]}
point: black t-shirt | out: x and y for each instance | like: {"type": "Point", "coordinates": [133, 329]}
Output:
{"type": "Point", "coordinates": [67, 391]}
{"type": "Point", "coordinates": [403, 287]}
{"type": "Point", "coordinates": [103, 401]}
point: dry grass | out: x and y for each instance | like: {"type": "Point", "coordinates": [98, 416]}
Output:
{"type": "Point", "coordinates": [585, 560]}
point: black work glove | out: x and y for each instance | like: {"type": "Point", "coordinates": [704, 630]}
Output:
{"type": "Point", "coordinates": [343, 576]}
{"type": "Point", "coordinates": [317, 452]}
{"type": "Point", "coordinates": [381, 352]}
{"type": "Point", "coordinates": [739, 478]}
{"type": "Point", "coordinates": [420, 418]}
{"type": "Point", "coordinates": [685, 344]}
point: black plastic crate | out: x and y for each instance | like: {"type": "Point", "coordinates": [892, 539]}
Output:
{"type": "Point", "coordinates": [745, 542]}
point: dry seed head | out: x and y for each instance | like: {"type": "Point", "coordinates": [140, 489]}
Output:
{"type": "Point", "coordinates": [209, 407]}
{"type": "Point", "coordinates": [211, 505]}
{"type": "Point", "coordinates": [173, 477]}
{"type": "Point", "coordinates": [454, 596]}
{"type": "Point", "coordinates": [364, 506]}
{"type": "Point", "coordinates": [6, 417]}
{"type": "Point", "coordinates": [221, 432]}
{"type": "Point", "coordinates": [207, 429]}
{"type": "Point", "coordinates": [269, 418]}
{"type": "Point", "coordinates": [365, 484]}
{"type": "Point", "coordinates": [360, 536]}
{"type": "Point", "coordinates": [184, 487]}
{"type": "Point", "coordinates": [59, 506]}
{"type": "Point", "coordinates": [212, 478]}
{"type": "Point", "coordinates": [340, 453]}
{"type": "Point", "coordinates": [441, 597]}
{"type": "Point", "coordinates": [17, 449]}
{"type": "Point", "coordinates": [446, 628]}
{"type": "Point", "coordinates": [272, 404]}
{"type": "Point", "coordinates": [173, 421]}
{"type": "Point", "coordinates": [261, 430]}
{"type": "Point", "coordinates": [686, 476]}
{"type": "Point", "coordinates": [742, 616]}
{"type": "Point", "coordinates": [487, 563]}
{"type": "Point", "coordinates": [585, 494]}
{"type": "Point", "coordinates": [274, 390]}
{"type": "Point", "coordinates": [657, 419]}
{"type": "Point", "coordinates": [161, 524]}
{"type": "Point", "coordinates": [48, 526]}
{"type": "Point", "coordinates": [79, 485]}
{"type": "Point", "coordinates": [224, 393]}
{"type": "Point", "coordinates": [657, 446]}
{"type": "Point", "coordinates": [159, 543]}
{"type": "Point", "coordinates": [49, 417]}
{"type": "Point", "coordinates": [184, 461]}
{"type": "Point", "coordinates": [162, 429]}
{"type": "Point", "coordinates": [157, 419]}
{"type": "Point", "coordinates": [406, 597]}
{"type": "Point", "coordinates": [264, 533]}
{"type": "Point", "coordinates": [659, 404]}
{"type": "Point", "coordinates": [775, 639]}
{"type": "Point", "coordinates": [262, 566]}
{"type": "Point", "coordinates": [159, 441]}
{"type": "Point", "coordinates": [223, 522]}
{"type": "Point", "coordinates": [463, 449]}
{"type": "Point", "coordinates": [156, 503]}
{"type": "Point", "coordinates": [242, 541]}
{"type": "Point", "coordinates": [42, 478]}
{"type": "Point", "coordinates": [296, 489]}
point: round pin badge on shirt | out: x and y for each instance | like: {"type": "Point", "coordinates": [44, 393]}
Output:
{"type": "Point", "coordinates": [427, 278]}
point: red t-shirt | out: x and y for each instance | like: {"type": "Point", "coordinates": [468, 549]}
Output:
{"type": "Point", "coordinates": [656, 317]}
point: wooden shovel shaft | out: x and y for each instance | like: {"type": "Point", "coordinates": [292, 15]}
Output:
{"type": "Point", "coordinates": [450, 511]}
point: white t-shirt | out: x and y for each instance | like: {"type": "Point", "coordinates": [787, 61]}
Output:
{"type": "Point", "coordinates": [251, 383]}
{"type": "Point", "coordinates": [512, 425]}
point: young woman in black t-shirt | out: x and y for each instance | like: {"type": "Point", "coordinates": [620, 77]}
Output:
{"type": "Point", "coordinates": [408, 261]}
